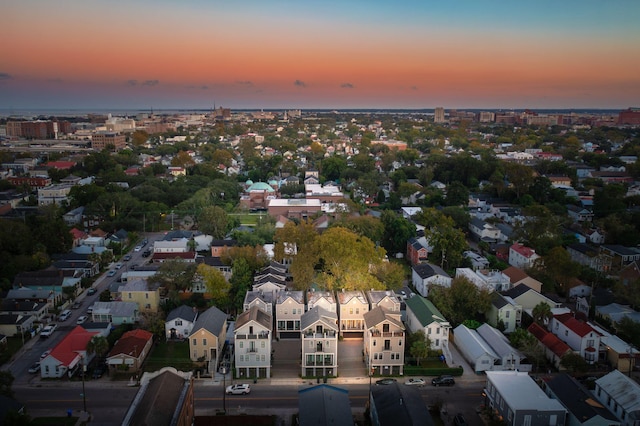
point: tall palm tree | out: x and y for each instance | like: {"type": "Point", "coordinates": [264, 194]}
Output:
{"type": "Point", "coordinates": [542, 313]}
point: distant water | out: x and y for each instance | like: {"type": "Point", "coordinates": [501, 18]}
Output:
{"type": "Point", "coordinates": [19, 112]}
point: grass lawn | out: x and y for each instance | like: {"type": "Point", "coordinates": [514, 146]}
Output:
{"type": "Point", "coordinates": [169, 354]}
{"type": "Point", "coordinates": [248, 219]}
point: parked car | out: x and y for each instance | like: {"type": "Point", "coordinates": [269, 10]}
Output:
{"type": "Point", "coordinates": [76, 305]}
{"type": "Point", "coordinates": [459, 420]}
{"type": "Point", "coordinates": [415, 381]}
{"type": "Point", "coordinates": [45, 354]}
{"type": "Point", "coordinates": [82, 319]}
{"type": "Point", "coordinates": [35, 367]}
{"type": "Point", "coordinates": [111, 273]}
{"type": "Point", "coordinates": [146, 253]}
{"type": "Point", "coordinates": [241, 389]}
{"type": "Point", "coordinates": [138, 248]}
{"type": "Point", "coordinates": [385, 381]}
{"type": "Point", "coordinates": [443, 381]}
{"type": "Point", "coordinates": [91, 291]}
{"type": "Point", "coordinates": [118, 265]}
{"type": "Point", "coordinates": [126, 257]}
{"type": "Point", "coordinates": [48, 331]}
{"type": "Point", "coordinates": [90, 310]}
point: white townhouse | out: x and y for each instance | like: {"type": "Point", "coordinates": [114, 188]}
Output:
{"type": "Point", "coordinates": [385, 299]}
{"type": "Point", "coordinates": [289, 309]}
{"type": "Point", "coordinates": [384, 342]}
{"type": "Point", "coordinates": [263, 301]}
{"type": "Point", "coordinates": [491, 280]}
{"type": "Point", "coordinates": [253, 334]}
{"type": "Point", "coordinates": [352, 305]}
{"type": "Point", "coordinates": [319, 342]}
{"type": "Point", "coordinates": [323, 299]}
{"type": "Point", "coordinates": [521, 256]}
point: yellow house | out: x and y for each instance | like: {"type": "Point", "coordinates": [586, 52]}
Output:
{"type": "Point", "coordinates": [138, 291]}
{"type": "Point", "coordinates": [207, 337]}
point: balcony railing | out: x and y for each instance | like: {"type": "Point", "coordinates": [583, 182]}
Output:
{"type": "Point", "coordinates": [252, 336]}
{"type": "Point", "coordinates": [378, 333]}
{"type": "Point", "coordinates": [328, 334]}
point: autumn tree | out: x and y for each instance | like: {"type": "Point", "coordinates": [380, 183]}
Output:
{"type": "Point", "coordinates": [297, 243]}
{"type": "Point", "coordinates": [391, 274]}
{"type": "Point", "coordinates": [346, 260]}
{"type": "Point", "coordinates": [366, 226]}
{"type": "Point", "coordinates": [175, 276]}
{"type": "Point", "coordinates": [182, 159]}
{"type": "Point", "coordinates": [215, 283]}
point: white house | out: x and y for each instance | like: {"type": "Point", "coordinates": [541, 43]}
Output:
{"type": "Point", "coordinates": [384, 341]}
{"type": "Point", "coordinates": [424, 275]}
{"type": "Point", "coordinates": [352, 305]}
{"type": "Point", "coordinates": [253, 334]}
{"type": "Point", "coordinates": [474, 349]}
{"type": "Point", "coordinates": [521, 256]}
{"type": "Point", "coordinates": [490, 280]}
{"type": "Point", "coordinates": [323, 299]}
{"type": "Point", "coordinates": [179, 322]}
{"type": "Point", "coordinates": [621, 395]}
{"type": "Point", "coordinates": [579, 335]}
{"type": "Point", "coordinates": [289, 309]}
{"type": "Point", "coordinates": [423, 315]}
{"type": "Point", "coordinates": [319, 340]}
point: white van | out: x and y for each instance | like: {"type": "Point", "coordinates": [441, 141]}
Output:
{"type": "Point", "coordinates": [65, 315]}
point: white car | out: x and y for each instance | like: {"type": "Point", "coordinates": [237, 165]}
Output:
{"type": "Point", "coordinates": [45, 354]}
{"type": "Point", "coordinates": [111, 273]}
{"type": "Point", "coordinates": [48, 330]}
{"type": "Point", "coordinates": [242, 389]}
{"type": "Point", "coordinates": [415, 381]}
{"type": "Point", "coordinates": [138, 248]}
{"type": "Point", "coordinates": [82, 319]}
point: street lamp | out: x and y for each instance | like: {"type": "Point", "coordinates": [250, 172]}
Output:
{"type": "Point", "coordinates": [224, 390]}
{"type": "Point", "coordinates": [84, 397]}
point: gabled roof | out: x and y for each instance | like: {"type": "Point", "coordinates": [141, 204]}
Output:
{"type": "Point", "coordinates": [400, 405]}
{"type": "Point", "coordinates": [72, 345]}
{"type": "Point", "coordinates": [515, 274]}
{"type": "Point", "coordinates": [424, 310]}
{"type": "Point", "coordinates": [318, 314]}
{"type": "Point", "coordinates": [470, 342]}
{"type": "Point", "coordinates": [131, 343]}
{"type": "Point", "coordinates": [518, 291]}
{"type": "Point", "coordinates": [324, 405]}
{"type": "Point", "coordinates": [580, 402]}
{"type": "Point", "coordinates": [623, 390]}
{"type": "Point", "coordinates": [498, 300]}
{"type": "Point", "coordinates": [580, 328]}
{"type": "Point", "coordinates": [254, 314]}
{"type": "Point", "coordinates": [549, 340]}
{"type": "Point", "coordinates": [212, 320]}
{"type": "Point", "coordinates": [184, 312]}
{"type": "Point", "coordinates": [345, 297]}
{"type": "Point", "coordinates": [297, 296]}
{"type": "Point", "coordinates": [426, 270]}
{"type": "Point", "coordinates": [497, 341]}
{"type": "Point", "coordinates": [377, 316]}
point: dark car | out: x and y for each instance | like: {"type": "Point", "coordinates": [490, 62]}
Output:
{"type": "Point", "coordinates": [91, 291]}
{"type": "Point", "coordinates": [443, 381]}
{"type": "Point", "coordinates": [459, 420]}
{"type": "Point", "coordinates": [385, 381]}
{"type": "Point", "coordinates": [146, 253]}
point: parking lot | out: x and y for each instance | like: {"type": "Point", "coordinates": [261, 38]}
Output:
{"type": "Point", "coordinates": [287, 355]}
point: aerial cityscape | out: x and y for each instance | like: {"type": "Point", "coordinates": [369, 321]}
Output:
{"type": "Point", "coordinates": [335, 213]}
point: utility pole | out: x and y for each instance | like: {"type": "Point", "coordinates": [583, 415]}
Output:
{"type": "Point", "coordinates": [84, 397]}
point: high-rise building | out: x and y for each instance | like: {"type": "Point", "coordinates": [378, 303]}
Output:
{"type": "Point", "coordinates": [439, 115]}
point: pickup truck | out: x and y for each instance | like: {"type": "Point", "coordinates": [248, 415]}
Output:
{"type": "Point", "coordinates": [48, 330]}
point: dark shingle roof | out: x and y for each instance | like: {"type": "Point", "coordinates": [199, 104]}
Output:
{"type": "Point", "coordinates": [183, 312]}
{"type": "Point", "coordinates": [400, 405]}
{"type": "Point", "coordinates": [577, 399]}
{"type": "Point", "coordinates": [212, 320]}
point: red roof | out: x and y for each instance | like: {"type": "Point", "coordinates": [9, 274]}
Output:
{"type": "Point", "coordinates": [61, 165]}
{"type": "Point", "coordinates": [523, 250]}
{"type": "Point", "coordinates": [549, 340]}
{"type": "Point", "coordinates": [76, 233]}
{"type": "Point", "coordinates": [131, 343]}
{"type": "Point", "coordinates": [578, 327]}
{"type": "Point", "coordinates": [72, 345]}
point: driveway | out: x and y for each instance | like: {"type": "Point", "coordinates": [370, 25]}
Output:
{"type": "Point", "coordinates": [286, 358]}
{"type": "Point", "coordinates": [350, 358]}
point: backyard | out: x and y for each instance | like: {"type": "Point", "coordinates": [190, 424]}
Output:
{"type": "Point", "coordinates": [169, 354]}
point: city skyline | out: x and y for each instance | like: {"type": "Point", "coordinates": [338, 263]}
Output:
{"type": "Point", "coordinates": [285, 54]}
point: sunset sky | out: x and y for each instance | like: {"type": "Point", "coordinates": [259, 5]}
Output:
{"type": "Point", "coordinates": [319, 54]}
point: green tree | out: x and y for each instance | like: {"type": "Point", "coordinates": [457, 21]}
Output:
{"type": "Point", "coordinates": [97, 345]}
{"type": "Point", "coordinates": [462, 301]}
{"type": "Point", "coordinates": [397, 230]}
{"type": "Point", "coordinates": [560, 267]}
{"type": "Point", "coordinates": [175, 276]}
{"type": "Point", "coordinates": [213, 221]}
{"type": "Point", "coordinates": [420, 346]}
{"type": "Point", "coordinates": [574, 363]}
{"type": "Point", "coordinates": [6, 381]}
{"type": "Point", "coordinates": [241, 280]}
